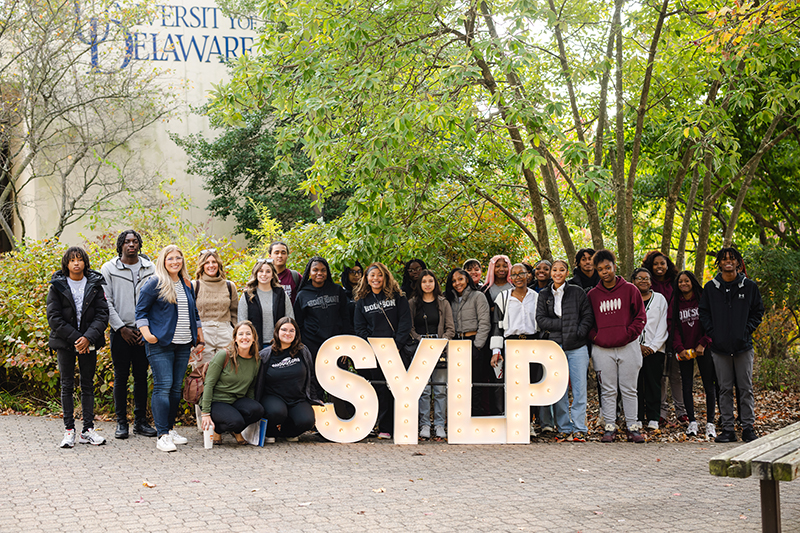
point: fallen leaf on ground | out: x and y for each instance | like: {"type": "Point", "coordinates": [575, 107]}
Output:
{"type": "Point", "coordinates": [254, 490]}
{"type": "Point", "coordinates": [417, 453]}
{"type": "Point", "coordinates": [140, 500]}
{"type": "Point", "coordinates": [598, 512]}
{"type": "Point", "coordinates": [729, 484]}
{"type": "Point", "coordinates": [521, 480]}
{"type": "Point", "coordinates": [361, 512]}
{"type": "Point", "coordinates": [582, 470]}
{"type": "Point", "coordinates": [676, 493]}
{"type": "Point", "coordinates": [379, 490]}
{"type": "Point", "coordinates": [742, 517]}
{"type": "Point", "coordinates": [195, 481]}
{"type": "Point", "coordinates": [306, 504]}
{"type": "Point", "coordinates": [148, 484]}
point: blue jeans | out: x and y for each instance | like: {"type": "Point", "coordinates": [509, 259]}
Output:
{"type": "Point", "coordinates": [439, 400]}
{"type": "Point", "coordinates": [570, 419]}
{"type": "Point", "coordinates": [168, 364]}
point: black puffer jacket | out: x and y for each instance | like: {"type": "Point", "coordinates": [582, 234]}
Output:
{"type": "Point", "coordinates": [62, 314]}
{"type": "Point", "coordinates": [571, 328]}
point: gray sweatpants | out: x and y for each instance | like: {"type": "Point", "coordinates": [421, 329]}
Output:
{"type": "Point", "coordinates": [673, 373]}
{"type": "Point", "coordinates": [739, 369]}
{"type": "Point", "coordinates": [618, 366]}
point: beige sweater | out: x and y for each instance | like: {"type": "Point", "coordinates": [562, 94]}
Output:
{"type": "Point", "coordinates": [215, 302]}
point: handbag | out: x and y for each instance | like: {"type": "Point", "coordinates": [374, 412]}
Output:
{"type": "Point", "coordinates": [193, 382]}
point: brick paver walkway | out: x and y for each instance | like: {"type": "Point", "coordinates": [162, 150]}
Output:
{"type": "Point", "coordinates": [367, 486]}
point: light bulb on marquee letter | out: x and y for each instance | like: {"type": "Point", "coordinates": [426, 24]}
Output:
{"type": "Point", "coordinates": [520, 393]}
{"type": "Point", "coordinates": [407, 386]}
{"type": "Point", "coordinates": [461, 427]}
{"type": "Point", "coordinates": [347, 386]}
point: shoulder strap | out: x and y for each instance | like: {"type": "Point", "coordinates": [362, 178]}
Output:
{"type": "Point", "coordinates": [295, 277]}
{"type": "Point", "coordinates": [230, 289]}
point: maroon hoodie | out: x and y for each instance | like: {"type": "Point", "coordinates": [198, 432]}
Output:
{"type": "Point", "coordinates": [619, 314]}
{"type": "Point", "coordinates": [688, 332]}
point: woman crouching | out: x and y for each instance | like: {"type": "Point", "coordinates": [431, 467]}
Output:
{"type": "Point", "coordinates": [284, 383]}
{"type": "Point", "coordinates": [228, 403]}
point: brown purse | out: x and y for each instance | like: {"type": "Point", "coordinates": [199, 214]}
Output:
{"type": "Point", "coordinates": [193, 384]}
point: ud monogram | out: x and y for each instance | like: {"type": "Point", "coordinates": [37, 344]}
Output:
{"type": "Point", "coordinates": [407, 386]}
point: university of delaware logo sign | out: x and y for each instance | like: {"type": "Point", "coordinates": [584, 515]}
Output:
{"type": "Point", "coordinates": [407, 385]}
{"type": "Point", "coordinates": [165, 33]}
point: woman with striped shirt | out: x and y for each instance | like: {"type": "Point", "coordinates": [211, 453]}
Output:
{"type": "Point", "coordinates": [166, 315]}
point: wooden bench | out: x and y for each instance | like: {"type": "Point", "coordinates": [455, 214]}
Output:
{"type": "Point", "coordinates": [772, 459]}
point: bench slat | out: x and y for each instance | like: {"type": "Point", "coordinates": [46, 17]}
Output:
{"type": "Point", "coordinates": [761, 466]}
{"type": "Point", "coordinates": [720, 464]}
{"type": "Point", "coordinates": [787, 468]}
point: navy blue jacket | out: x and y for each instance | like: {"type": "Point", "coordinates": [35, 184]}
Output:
{"type": "Point", "coordinates": [161, 316]}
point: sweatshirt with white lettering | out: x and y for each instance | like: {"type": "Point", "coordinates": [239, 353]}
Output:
{"type": "Point", "coordinates": [619, 314]}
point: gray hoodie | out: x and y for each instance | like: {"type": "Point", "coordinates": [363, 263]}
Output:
{"type": "Point", "coordinates": [121, 292]}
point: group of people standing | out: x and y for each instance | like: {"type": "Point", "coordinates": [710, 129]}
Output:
{"type": "Point", "coordinates": [257, 350]}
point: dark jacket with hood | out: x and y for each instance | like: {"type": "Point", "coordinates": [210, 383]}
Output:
{"type": "Point", "coordinates": [62, 315]}
{"type": "Point", "coordinates": [619, 314]}
{"type": "Point", "coordinates": [262, 389]}
{"type": "Point", "coordinates": [583, 281]}
{"type": "Point", "coordinates": [321, 313]}
{"type": "Point", "coordinates": [572, 327]}
{"type": "Point", "coordinates": [730, 313]}
{"type": "Point", "coordinates": [375, 313]}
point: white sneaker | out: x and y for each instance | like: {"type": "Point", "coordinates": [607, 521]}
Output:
{"type": "Point", "coordinates": [425, 432]}
{"type": "Point", "coordinates": [653, 424]}
{"type": "Point", "coordinates": [440, 432]}
{"type": "Point", "coordinates": [691, 431]}
{"type": "Point", "coordinates": [534, 433]}
{"type": "Point", "coordinates": [177, 439]}
{"type": "Point", "coordinates": [69, 439]}
{"type": "Point", "coordinates": [90, 436]}
{"type": "Point", "coordinates": [711, 431]}
{"type": "Point", "coordinates": [292, 439]}
{"type": "Point", "coordinates": [269, 440]}
{"type": "Point", "coordinates": [165, 443]}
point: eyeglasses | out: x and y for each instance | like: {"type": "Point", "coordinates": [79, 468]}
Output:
{"type": "Point", "coordinates": [356, 272]}
{"type": "Point", "coordinates": [519, 275]}
{"type": "Point", "coordinates": [640, 278]}
{"type": "Point", "coordinates": [208, 251]}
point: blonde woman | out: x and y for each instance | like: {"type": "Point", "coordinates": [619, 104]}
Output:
{"type": "Point", "coordinates": [167, 317]}
{"type": "Point", "coordinates": [264, 301]}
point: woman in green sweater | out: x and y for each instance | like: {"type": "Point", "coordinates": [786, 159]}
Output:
{"type": "Point", "coordinates": [228, 404]}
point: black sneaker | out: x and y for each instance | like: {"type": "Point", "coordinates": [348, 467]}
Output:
{"type": "Point", "coordinates": [144, 429]}
{"type": "Point", "coordinates": [726, 436]}
{"type": "Point", "coordinates": [749, 435]}
{"type": "Point", "coordinates": [122, 430]}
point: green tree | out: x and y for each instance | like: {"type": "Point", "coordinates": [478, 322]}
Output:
{"type": "Point", "coordinates": [239, 170]}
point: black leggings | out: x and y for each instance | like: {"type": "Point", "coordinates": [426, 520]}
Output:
{"type": "Point", "coordinates": [650, 387]}
{"type": "Point", "coordinates": [292, 419]}
{"type": "Point", "coordinates": [236, 416]}
{"type": "Point", "coordinates": [706, 366]}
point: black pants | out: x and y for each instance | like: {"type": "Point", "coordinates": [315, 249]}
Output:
{"type": "Point", "coordinates": [649, 387]}
{"type": "Point", "coordinates": [87, 363]}
{"type": "Point", "coordinates": [125, 358]}
{"type": "Point", "coordinates": [706, 366]}
{"type": "Point", "coordinates": [292, 419]}
{"type": "Point", "coordinates": [236, 416]}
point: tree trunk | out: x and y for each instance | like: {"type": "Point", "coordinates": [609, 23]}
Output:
{"type": "Point", "coordinates": [680, 259]}
{"type": "Point", "coordinates": [672, 201]}
{"type": "Point", "coordinates": [623, 223]}
{"type": "Point", "coordinates": [554, 202]}
{"type": "Point", "coordinates": [705, 222]}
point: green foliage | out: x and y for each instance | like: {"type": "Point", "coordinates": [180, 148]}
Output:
{"type": "Point", "coordinates": [777, 272]}
{"type": "Point", "coordinates": [777, 374]}
{"type": "Point", "coordinates": [239, 170]}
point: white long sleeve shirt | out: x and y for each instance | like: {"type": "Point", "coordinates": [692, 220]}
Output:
{"type": "Point", "coordinates": [655, 331]}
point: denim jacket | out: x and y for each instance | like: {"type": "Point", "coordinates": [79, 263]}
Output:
{"type": "Point", "coordinates": [161, 316]}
